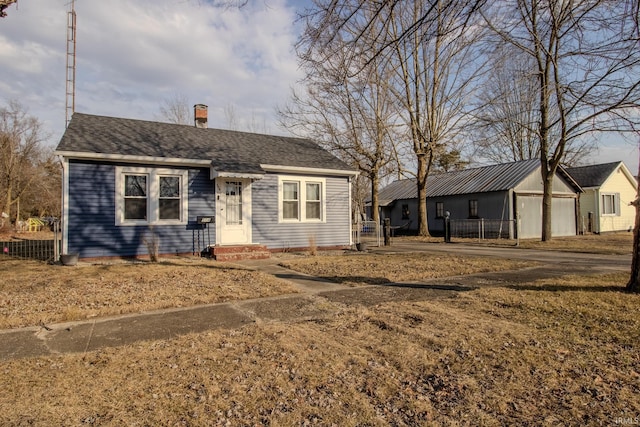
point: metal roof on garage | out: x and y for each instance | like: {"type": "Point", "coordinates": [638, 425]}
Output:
{"type": "Point", "coordinates": [484, 179]}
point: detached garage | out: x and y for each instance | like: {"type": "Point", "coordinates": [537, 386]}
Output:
{"type": "Point", "coordinates": [497, 194]}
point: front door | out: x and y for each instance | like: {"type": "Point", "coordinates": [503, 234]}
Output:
{"type": "Point", "coordinates": [234, 211]}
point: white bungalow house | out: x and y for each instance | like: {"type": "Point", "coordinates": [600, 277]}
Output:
{"type": "Point", "coordinates": [609, 188]}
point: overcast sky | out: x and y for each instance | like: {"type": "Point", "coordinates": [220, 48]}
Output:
{"type": "Point", "coordinates": [134, 55]}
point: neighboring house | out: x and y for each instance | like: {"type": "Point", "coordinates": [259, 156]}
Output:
{"type": "Point", "coordinates": [498, 194]}
{"type": "Point", "coordinates": [128, 184]}
{"type": "Point", "coordinates": [609, 188]}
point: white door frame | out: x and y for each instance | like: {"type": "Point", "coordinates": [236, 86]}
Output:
{"type": "Point", "coordinates": [238, 232]}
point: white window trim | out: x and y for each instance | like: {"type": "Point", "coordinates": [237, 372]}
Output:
{"type": "Point", "coordinates": [302, 195]}
{"type": "Point", "coordinates": [153, 209]}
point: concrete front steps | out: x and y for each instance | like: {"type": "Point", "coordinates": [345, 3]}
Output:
{"type": "Point", "coordinates": [239, 252]}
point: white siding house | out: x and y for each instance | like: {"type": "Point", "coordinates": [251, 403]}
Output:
{"type": "Point", "coordinates": [609, 188]}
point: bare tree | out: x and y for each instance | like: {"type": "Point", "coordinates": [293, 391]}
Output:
{"type": "Point", "coordinates": [505, 125]}
{"type": "Point", "coordinates": [506, 118]}
{"type": "Point", "coordinates": [231, 116]}
{"type": "Point", "coordinates": [586, 64]}
{"type": "Point", "coordinates": [22, 159]}
{"type": "Point", "coordinates": [435, 70]}
{"type": "Point", "coordinates": [351, 115]}
{"type": "Point", "coordinates": [428, 46]}
{"type": "Point", "coordinates": [176, 110]}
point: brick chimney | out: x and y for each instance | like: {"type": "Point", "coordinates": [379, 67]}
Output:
{"type": "Point", "coordinates": [200, 116]}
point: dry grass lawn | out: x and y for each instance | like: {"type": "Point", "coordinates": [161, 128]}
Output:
{"type": "Point", "coordinates": [32, 293]}
{"type": "Point", "coordinates": [373, 269]}
{"type": "Point", "coordinates": [552, 352]}
{"type": "Point", "coordinates": [607, 243]}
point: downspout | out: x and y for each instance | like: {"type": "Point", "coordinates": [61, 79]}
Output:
{"type": "Point", "coordinates": [510, 214]}
{"type": "Point", "coordinates": [64, 211]}
{"type": "Point", "coordinates": [578, 216]}
{"type": "Point", "coordinates": [596, 220]}
{"type": "Point", "coordinates": [350, 182]}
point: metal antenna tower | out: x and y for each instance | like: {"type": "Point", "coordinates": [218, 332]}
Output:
{"type": "Point", "coordinates": [70, 106]}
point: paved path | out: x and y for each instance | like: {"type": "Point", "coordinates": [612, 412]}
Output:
{"type": "Point", "coordinates": [310, 302]}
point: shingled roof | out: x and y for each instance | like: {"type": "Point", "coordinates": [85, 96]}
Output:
{"type": "Point", "coordinates": [228, 151]}
{"type": "Point", "coordinates": [500, 177]}
{"type": "Point", "coordinates": [593, 175]}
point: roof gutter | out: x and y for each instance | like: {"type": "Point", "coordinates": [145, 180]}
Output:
{"type": "Point", "coordinates": [305, 170]}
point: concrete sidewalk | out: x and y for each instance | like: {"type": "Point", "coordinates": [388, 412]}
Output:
{"type": "Point", "coordinates": [82, 336]}
{"type": "Point", "coordinates": [310, 302]}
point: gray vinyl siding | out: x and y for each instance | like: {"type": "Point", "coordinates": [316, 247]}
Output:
{"type": "Point", "coordinates": [395, 214]}
{"type": "Point", "coordinates": [334, 231]}
{"type": "Point", "coordinates": [91, 216]}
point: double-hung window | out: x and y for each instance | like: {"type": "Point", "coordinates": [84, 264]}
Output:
{"type": "Point", "coordinates": [291, 200]}
{"type": "Point", "coordinates": [611, 204]}
{"type": "Point", "coordinates": [169, 198]}
{"type": "Point", "coordinates": [301, 199]}
{"type": "Point", "coordinates": [136, 194]}
{"type": "Point", "coordinates": [313, 201]}
{"type": "Point", "coordinates": [150, 196]}
{"type": "Point", "coordinates": [473, 209]}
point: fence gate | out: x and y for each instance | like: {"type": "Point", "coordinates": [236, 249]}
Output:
{"type": "Point", "coordinates": [367, 232]}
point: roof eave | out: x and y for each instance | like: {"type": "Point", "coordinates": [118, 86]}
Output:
{"type": "Point", "coordinates": [80, 155]}
{"type": "Point", "coordinates": [215, 173]}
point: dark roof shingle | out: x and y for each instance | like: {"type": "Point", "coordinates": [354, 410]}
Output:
{"type": "Point", "coordinates": [592, 175]}
{"type": "Point", "coordinates": [229, 151]}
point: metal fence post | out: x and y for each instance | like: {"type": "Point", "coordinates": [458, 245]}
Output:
{"type": "Point", "coordinates": [447, 227]}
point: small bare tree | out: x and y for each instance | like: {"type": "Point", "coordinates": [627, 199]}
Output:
{"type": "Point", "coordinates": [176, 110]}
{"type": "Point", "coordinates": [22, 157]}
{"type": "Point", "coordinates": [633, 285]}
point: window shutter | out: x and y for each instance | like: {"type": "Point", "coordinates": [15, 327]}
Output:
{"type": "Point", "coordinates": [617, 202]}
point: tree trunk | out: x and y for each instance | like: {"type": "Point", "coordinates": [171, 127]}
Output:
{"type": "Point", "coordinates": [423, 226]}
{"type": "Point", "coordinates": [634, 280]}
{"type": "Point", "coordinates": [7, 203]}
{"type": "Point", "coordinates": [547, 204]}
{"type": "Point", "coordinates": [375, 214]}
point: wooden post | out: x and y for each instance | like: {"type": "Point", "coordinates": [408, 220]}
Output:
{"type": "Point", "coordinates": [387, 232]}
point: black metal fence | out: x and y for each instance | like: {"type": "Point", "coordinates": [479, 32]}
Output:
{"type": "Point", "coordinates": [44, 250]}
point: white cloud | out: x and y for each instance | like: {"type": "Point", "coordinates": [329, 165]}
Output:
{"type": "Point", "coordinates": [133, 55]}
